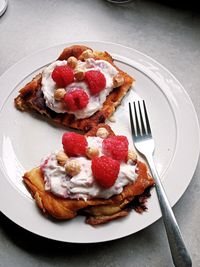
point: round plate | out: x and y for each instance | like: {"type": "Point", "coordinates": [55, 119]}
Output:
{"type": "Point", "coordinates": [3, 6]}
{"type": "Point", "coordinates": [25, 139]}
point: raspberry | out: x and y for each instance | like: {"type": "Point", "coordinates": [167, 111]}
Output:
{"type": "Point", "coordinates": [116, 147]}
{"type": "Point", "coordinates": [95, 80]}
{"type": "Point", "coordinates": [74, 144]}
{"type": "Point", "coordinates": [76, 99]}
{"type": "Point", "coordinates": [105, 170]}
{"type": "Point", "coordinates": [62, 75]}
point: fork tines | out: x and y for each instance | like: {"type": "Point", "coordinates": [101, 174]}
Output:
{"type": "Point", "coordinates": [139, 120]}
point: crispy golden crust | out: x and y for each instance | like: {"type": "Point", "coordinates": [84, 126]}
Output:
{"type": "Point", "coordinates": [98, 210]}
{"type": "Point", "coordinates": [31, 98]}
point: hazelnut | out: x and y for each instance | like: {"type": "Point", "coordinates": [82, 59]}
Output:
{"type": "Point", "coordinates": [79, 75]}
{"type": "Point", "coordinates": [118, 80]}
{"type": "Point", "coordinates": [72, 167]}
{"type": "Point", "coordinates": [92, 152]}
{"type": "Point", "coordinates": [132, 155]}
{"type": "Point", "coordinates": [112, 119]}
{"type": "Point", "coordinates": [61, 158]}
{"type": "Point", "coordinates": [87, 54]}
{"type": "Point", "coordinates": [59, 93]}
{"type": "Point", "coordinates": [102, 132]}
{"type": "Point", "coordinates": [72, 62]}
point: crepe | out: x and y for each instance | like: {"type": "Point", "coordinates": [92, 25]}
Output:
{"type": "Point", "coordinates": [97, 210]}
{"type": "Point", "coordinates": [31, 98]}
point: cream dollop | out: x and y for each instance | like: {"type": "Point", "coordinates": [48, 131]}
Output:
{"type": "Point", "coordinates": [83, 185]}
{"type": "Point", "coordinates": [95, 101]}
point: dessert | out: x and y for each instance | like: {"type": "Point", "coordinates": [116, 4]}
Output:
{"type": "Point", "coordinates": [81, 89]}
{"type": "Point", "coordinates": [94, 175]}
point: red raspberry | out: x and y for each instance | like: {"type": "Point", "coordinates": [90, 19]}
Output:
{"type": "Point", "coordinates": [62, 75]}
{"type": "Point", "coordinates": [76, 99]}
{"type": "Point", "coordinates": [116, 147]}
{"type": "Point", "coordinates": [95, 80]}
{"type": "Point", "coordinates": [105, 170]}
{"type": "Point", "coordinates": [74, 144]}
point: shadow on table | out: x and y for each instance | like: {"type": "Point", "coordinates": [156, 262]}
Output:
{"type": "Point", "coordinates": [192, 4]}
{"type": "Point", "coordinates": [186, 5]}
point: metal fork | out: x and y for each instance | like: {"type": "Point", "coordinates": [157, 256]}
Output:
{"type": "Point", "coordinates": [144, 143]}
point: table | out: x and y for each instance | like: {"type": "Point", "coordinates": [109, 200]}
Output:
{"type": "Point", "coordinates": [169, 34]}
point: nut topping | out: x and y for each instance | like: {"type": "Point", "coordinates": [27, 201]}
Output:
{"type": "Point", "coordinates": [79, 74]}
{"type": "Point", "coordinates": [72, 167]}
{"type": "Point", "coordinates": [61, 158]}
{"type": "Point", "coordinates": [59, 93]}
{"type": "Point", "coordinates": [92, 152]}
{"type": "Point", "coordinates": [132, 155]}
{"type": "Point", "coordinates": [102, 132]}
{"type": "Point", "coordinates": [72, 62]}
{"type": "Point", "coordinates": [87, 54]}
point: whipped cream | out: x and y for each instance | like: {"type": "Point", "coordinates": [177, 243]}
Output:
{"type": "Point", "coordinates": [83, 185]}
{"type": "Point", "coordinates": [95, 101]}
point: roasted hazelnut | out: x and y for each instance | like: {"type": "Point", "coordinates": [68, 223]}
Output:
{"type": "Point", "coordinates": [112, 119]}
{"type": "Point", "coordinates": [132, 155]}
{"type": "Point", "coordinates": [72, 167]}
{"type": "Point", "coordinates": [79, 75]}
{"type": "Point", "coordinates": [102, 132]}
{"type": "Point", "coordinates": [92, 152]}
{"type": "Point", "coordinates": [87, 54]}
{"type": "Point", "coordinates": [59, 93]}
{"type": "Point", "coordinates": [72, 62]}
{"type": "Point", "coordinates": [61, 158]}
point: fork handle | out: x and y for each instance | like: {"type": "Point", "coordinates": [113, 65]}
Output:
{"type": "Point", "coordinates": [180, 255]}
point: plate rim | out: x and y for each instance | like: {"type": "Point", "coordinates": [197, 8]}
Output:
{"type": "Point", "coordinates": [124, 47]}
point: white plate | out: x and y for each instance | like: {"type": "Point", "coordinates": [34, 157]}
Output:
{"type": "Point", "coordinates": [25, 139]}
{"type": "Point", "coordinates": [3, 6]}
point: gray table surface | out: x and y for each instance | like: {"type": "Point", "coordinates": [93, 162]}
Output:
{"type": "Point", "coordinates": [167, 33]}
